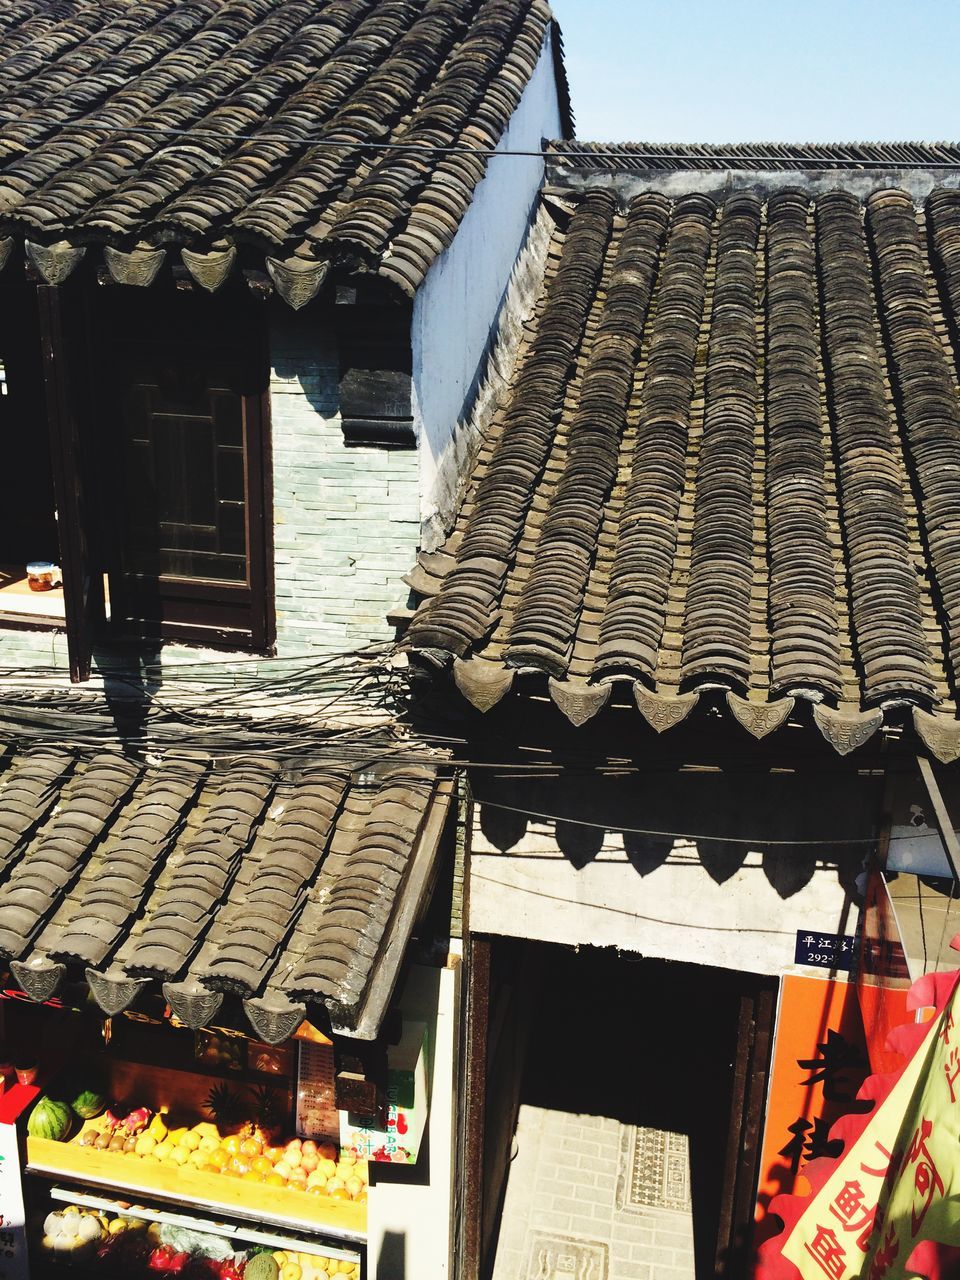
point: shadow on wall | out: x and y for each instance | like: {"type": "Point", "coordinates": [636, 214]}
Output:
{"type": "Point", "coordinates": [714, 821]}
{"type": "Point", "coordinates": [392, 1258]}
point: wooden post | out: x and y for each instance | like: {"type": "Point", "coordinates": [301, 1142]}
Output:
{"type": "Point", "coordinates": [477, 1012]}
{"type": "Point", "coordinates": [751, 1068]}
{"type": "Point", "coordinates": [82, 587]}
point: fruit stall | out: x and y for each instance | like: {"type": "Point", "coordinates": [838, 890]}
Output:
{"type": "Point", "coordinates": [147, 1147]}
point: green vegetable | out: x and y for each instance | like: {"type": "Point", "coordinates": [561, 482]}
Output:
{"type": "Point", "coordinates": [88, 1104]}
{"type": "Point", "coordinates": [50, 1119]}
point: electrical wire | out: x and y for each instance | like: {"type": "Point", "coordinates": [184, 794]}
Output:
{"type": "Point", "coordinates": [595, 152]}
{"type": "Point", "coordinates": [753, 841]}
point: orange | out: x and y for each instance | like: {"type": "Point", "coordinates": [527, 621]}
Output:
{"type": "Point", "coordinates": [219, 1158]}
{"type": "Point", "coordinates": [239, 1165]}
{"type": "Point", "coordinates": [338, 1193]}
{"type": "Point", "coordinates": [210, 1168]}
{"type": "Point", "coordinates": [232, 1144]}
{"type": "Point", "coordinates": [273, 1154]}
{"type": "Point", "coordinates": [252, 1176]}
{"type": "Point", "coordinates": [274, 1180]}
{"type": "Point", "coordinates": [250, 1147]}
{"type": "Point", "coordinates": [261, 1164]}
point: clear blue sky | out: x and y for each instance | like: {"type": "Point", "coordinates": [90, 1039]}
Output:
{"type": "Point", "coordinates": [746, 71]}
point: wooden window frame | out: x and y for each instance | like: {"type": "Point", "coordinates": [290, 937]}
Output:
{"type": "Point", "coordinates": [88, 548]}
{"type": "Point", "coordinates": [193, 604]}
{"type": "Point", "coordinates": [195, 623]}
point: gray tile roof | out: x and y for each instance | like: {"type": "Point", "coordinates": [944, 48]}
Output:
{"type": "Point", "coordinates": [730, 458]}
{"type": "Point", "coordinates": [208, 127]}
{"type": "Point", "coordinates": [281, 884]}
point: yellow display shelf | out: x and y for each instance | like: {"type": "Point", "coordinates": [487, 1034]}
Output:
{"type": "Point", "coordinates": [208, 1192]}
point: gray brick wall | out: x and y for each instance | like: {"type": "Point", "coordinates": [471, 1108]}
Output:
{"type": "Point", "coordinates": [346, 521]}
{"type": "Point", "coordinates": [563, 1184]}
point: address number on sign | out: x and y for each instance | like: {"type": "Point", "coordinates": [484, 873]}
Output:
{"type": "Point", "coordinates": [824, 950]}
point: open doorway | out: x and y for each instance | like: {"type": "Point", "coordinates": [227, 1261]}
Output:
{"type": "Point", "coordinates": [620, 1086]}
{"type": "Point", "coordinates": [28, 524]}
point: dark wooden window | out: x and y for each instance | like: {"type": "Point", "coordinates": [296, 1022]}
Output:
{"type": "Point", "coordinates": [186, 493]}
{"type": "Point", "coordinates": [185, 385]}
{"type": "Point", "coordinates": [28, 526]}
{"type": "Point", "coordinates": [375, 374]}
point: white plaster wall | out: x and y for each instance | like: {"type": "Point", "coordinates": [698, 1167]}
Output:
{"type": "Point", "coordinates": [456, 307]}
{"type": "Point", "coordinates": [677, 911]}
{"type": "Point", "coordinates": [410, 1210]}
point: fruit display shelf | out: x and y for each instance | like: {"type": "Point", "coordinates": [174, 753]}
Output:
{"type": "Point", "coordinates": [208, 1193]}
{"type": "Point", "coordinates": [239, 1232]}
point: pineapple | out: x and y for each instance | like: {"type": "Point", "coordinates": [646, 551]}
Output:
{"type": "Point", "coordinates": [225, 1106]}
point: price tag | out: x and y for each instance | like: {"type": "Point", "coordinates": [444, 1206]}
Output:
{"type": "Point", "coordinates": [13, 1233]}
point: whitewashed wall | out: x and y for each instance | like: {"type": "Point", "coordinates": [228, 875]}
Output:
{"type": "Point", "coordinates": [675, 912]}
{"type": "Point", "coordinates": [585, 860]}
{"type": "Point", "coordinates": [410, 1216]}
{"type": "Point", "coordinates": [456, 308]}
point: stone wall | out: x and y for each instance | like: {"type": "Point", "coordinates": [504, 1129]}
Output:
{"type": "Point", "coordinates": [346, 520]}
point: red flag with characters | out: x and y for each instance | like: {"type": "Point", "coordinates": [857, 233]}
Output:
{"type": "Point", "coordinates": [889, 1207]}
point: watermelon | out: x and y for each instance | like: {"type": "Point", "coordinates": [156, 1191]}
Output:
{"type": "Point", "coordinates": [50, 1119]}
{"type": "Point", "coordinates": [88, 1103]}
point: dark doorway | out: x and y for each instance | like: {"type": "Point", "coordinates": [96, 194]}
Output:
{"type": "Point", "coordinates": [649, 1047]}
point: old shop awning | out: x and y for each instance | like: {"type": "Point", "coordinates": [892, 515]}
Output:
{"type": "Point", "coordinates": [729, 459]}
{"type": "Point", "coordinates": [287, 886]}
{"type": "Point", "coordinates": [242, 133]}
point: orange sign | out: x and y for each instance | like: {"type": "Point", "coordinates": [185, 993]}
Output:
{"type": "Point", "coordinates": [897, 1185]}
{"type": "Point", "coordinates": [819, 1063]}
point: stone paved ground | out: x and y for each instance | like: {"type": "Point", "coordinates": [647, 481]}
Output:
{"type": "Point", "coordinates": [579, 1206]}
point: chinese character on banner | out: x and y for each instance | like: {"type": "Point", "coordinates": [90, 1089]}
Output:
{"type": "Point", "coordinates": [849, 1208]}
{"type": "Point", "coordinates": [840, 1067]}
{"type": "Point", "coordinates": [818, 1066]}
{"type": "Point", "coordinates": [927, 1182]}
{"type": "Point", "coordinates": [827, 1252]}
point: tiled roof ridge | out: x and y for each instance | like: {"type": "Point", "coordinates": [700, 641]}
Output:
{"type": "Point", "coordinates": [789, 539]}
{"type": "Point", "coordinates": [669, 156]}
{"type": "Point", "coordinates": [226, 127]}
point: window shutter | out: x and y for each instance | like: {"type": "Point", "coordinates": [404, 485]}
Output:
{"type": "Point", "coordinates": [375, 375]}
{"type": "Point", "coordinates": [82, 581]}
